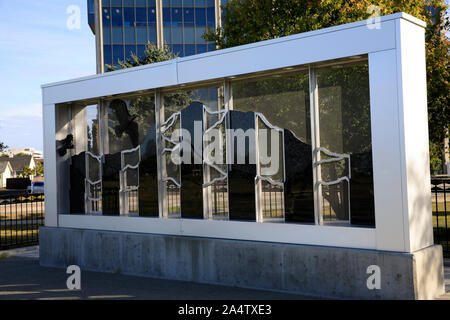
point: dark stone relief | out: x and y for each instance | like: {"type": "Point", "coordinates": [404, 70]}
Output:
{"type": "Point", "coordinates": [77, 176]}
{"type": "Point", "coordinates": [241, 177]}
{"type": "Point", "coordinates": [111, 185]}
{"type": "Point", "coordinates": [148, 177]}
{"type": "Point", "coordinates": [362, 205]}
{"type": "Point", "coordinates": [298, 186]}
{"type": "Point", "coordinates": [192, 174]}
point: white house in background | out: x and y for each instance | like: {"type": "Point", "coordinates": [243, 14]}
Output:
{"type": "Point", "coordinates": [17, 163]}
{"type": "Point", "coordinates": [6, 172]}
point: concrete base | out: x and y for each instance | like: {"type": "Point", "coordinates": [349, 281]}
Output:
{"type": "Point", "coordinates": [307, 270]}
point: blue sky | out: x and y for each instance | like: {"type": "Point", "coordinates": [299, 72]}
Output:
{"type": "Point", "coordinates": [37, 47]}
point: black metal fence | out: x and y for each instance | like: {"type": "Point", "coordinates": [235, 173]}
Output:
{"type": "Point", "coordinates": [440, 188]}
{"type": "Point", "coordinates": [21, 216]}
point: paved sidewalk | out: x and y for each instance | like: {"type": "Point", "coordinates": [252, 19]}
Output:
{"type": "Point", "coordinates": [21, 277]}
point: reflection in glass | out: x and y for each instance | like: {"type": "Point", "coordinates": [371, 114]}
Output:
{"type": "Point", "coordinates": [215, 185]}
{"type": "Point", "coordinates": [131, 141]}
{"type": "Point", "coordinates": [184, 181]}
{"type": "Point", "coordinates": [93, 183]}
{"type": "Point", "coordinates": [242, 171]}
{"type": "Point", "coordinates": [283, 100]}
{"type": "Point", "coordinates": [85, 170]}
{"type": "Point", "coordinates": [345, 131]}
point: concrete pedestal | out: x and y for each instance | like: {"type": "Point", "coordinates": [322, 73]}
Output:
{"type": "Point", "coordinates": [308, 270]}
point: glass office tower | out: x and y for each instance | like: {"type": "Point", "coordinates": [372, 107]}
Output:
{"type": "Point", "coordinates": [127, 26]}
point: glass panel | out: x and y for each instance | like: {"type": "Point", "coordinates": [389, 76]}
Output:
{"type": "Point", "coordinates": [93, 130]}
{"type": "Point", "coordinates": [141, 17]}
{"type": "Point", "coordinates": [117, 53]}
{"type": "Point", "coordinates": [200, 17]}
{"type": "Point", "coordinates": [177, 50]}
{"type": "Point", "coordinates": [177, 17]}
{"type": "Point", "coordinates": [201, 48]}
{"type": "Point", "coordinates": [85, 167]}
{"type": "Point", "coordinates": [345, 131]}
{"type": "Point", "coordinates": [184, 110]}
{"type": "Point", "coordinates": [215, 165]}
{"type": "Point", "coordinates": [189, 49]}
{"type": "Point", "coordinates": [272, 202]}
{"type": "Point", "coordinates": [152, 16]}
{"type": "Point", "coordinates": [117, 35]}
{"type": "Point", "coordinates": [167, 21]}
{"type": "Point", "coordinates": [141, 35]}
{"type": "Point", "coordinates": [177, 35]}
{"type": "Point", "coordinates": [188, 17]}
{"type": "Point", "coordinates": [106, 35]}
{"type": "Point", "coordinates": [167, 35]}
{"type": "Point", "coordinates": [283, 100]}
{"type": "Point", "coordinates": [198, 35]}
{"type": "Point", "coordinates": [107, 51]}
{"type": "Point", "coordinates": [129, 51]}
{"type": "Point", "coordinates": [140, 51]}
{"type": "Point", "coordinates": [94, 169]}
{"type": "Point", "coordinates": [211, 17]}
{"type": "Point", "coordinates": [106, 17]}
{"type": "Point", "coordinates": [129, 35]}
{"type": "Point", "coordinates": [242, 171]}
{"type": "Point", "coordinates": [128, 17]}
{"type": "Point", "coordinates": [152, 35]}
{"type": "Point", "coordinates": [77, 183]}
{"type": "Point", "coordinates": [131, 124]}
{"type": "Point", "coordinates": [117, 18]}
{"type": "Point", "coordinates": [189, 35]}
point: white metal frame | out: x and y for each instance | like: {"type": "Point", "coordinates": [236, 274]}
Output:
{"type": "Point", "coordinates": [396, 53]}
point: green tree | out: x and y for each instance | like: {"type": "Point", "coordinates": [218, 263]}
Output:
{"type": "Point", "coordinates": [26, 172]}
{"type": "Point", "coordinates": [248, 21]}
{"type": "Point", "coordinates": [3, 146]}
{"type": "Point", "coordinates": [152, 54]}
{"type": "Point", "coordinates": [39, 169]}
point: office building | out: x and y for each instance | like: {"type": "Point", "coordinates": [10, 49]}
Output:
{"type": "Point", "coordinates": [124, 27]}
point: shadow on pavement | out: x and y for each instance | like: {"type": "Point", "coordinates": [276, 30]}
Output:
{"type": "Point", "coordinates": [21, 277]}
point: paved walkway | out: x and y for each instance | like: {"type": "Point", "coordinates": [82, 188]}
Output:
{"type": "Point", "coordinates": [21, 277]}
